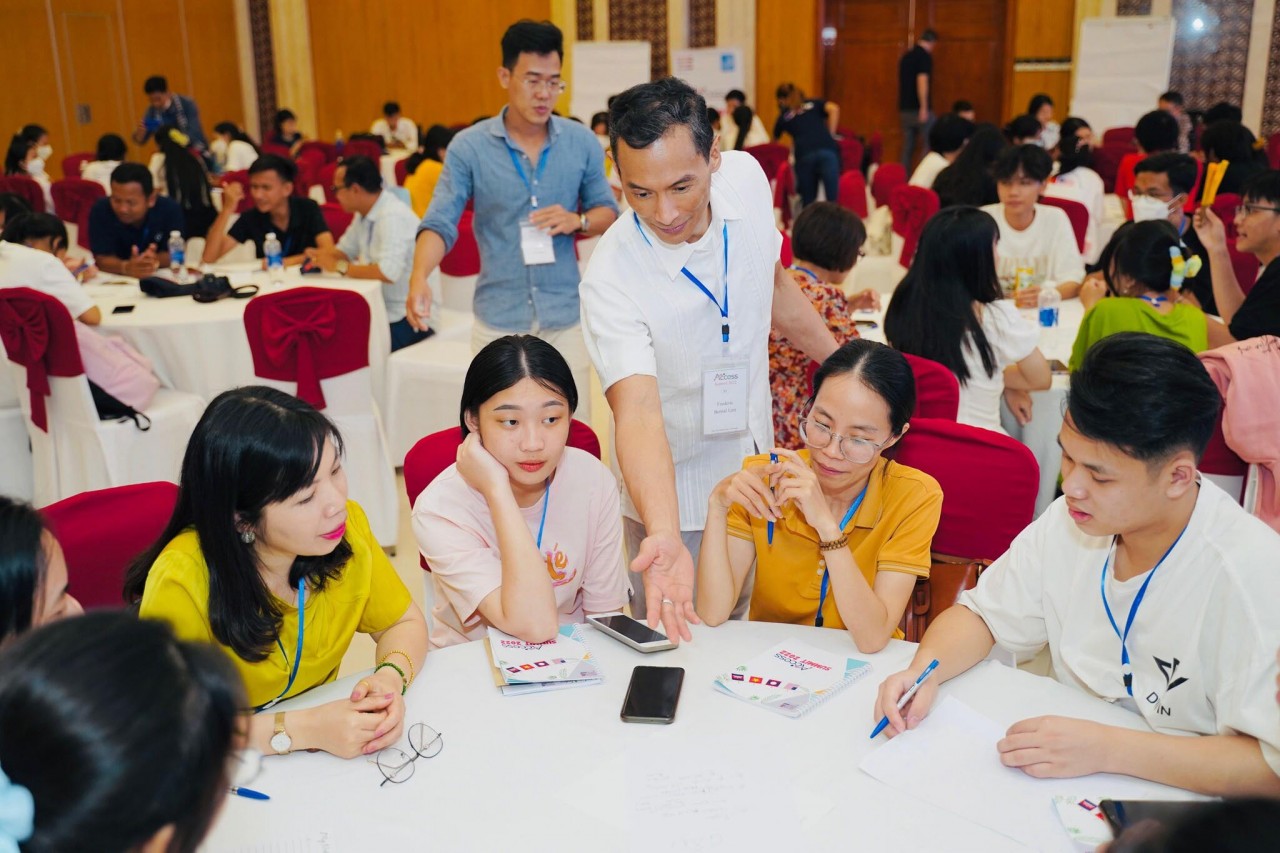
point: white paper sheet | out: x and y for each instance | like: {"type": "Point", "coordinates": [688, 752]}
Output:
{"type": "Point", "coordinates": [951, 761]}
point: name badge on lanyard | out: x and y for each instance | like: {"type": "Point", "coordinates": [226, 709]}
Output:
{"type": "Point", "coordinates": [536, 245]}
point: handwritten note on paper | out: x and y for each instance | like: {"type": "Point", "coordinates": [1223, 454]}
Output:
{"type": "Point", "coordinates": [700, 802]}
{"type": "Point", "coordinates": [951, 761]}
{"type": "Point", "coordinates": [312, 842]}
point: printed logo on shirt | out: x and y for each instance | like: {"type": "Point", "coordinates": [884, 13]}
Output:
{"type": "Point", "coordinates": [557, 562]}
{"type": "Point", "coordinates": [1171, 680]}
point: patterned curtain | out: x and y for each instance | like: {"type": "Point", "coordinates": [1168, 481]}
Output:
{"type": "Point", "coordinates": [1271, 106]}
{"type": "Point", "coordinates": [586, 20]}
{"type": "Point", "coordinates": [642, 20]}
{"type": "Point", "coordinates": [1133, 7]}
{"type": "Point", "coordinates": [264, 65]}
{"type": "Point", "coordinates": [702, 23]}
{"type": "Point", "coordinates": [1209, 64]}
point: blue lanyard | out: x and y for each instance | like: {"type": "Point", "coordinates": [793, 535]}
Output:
{"type": "Point", "coordinates": [809, 273]}
{"type": "Point", "coordinates": [297, 656]}
{"type": "Point", "coordinates": [1154, 301]}
{"type": "Point", "coordinates": [1125, 669]}
{"type": "Point", "coordinates": [546, 500]}
{"type": "Point", "coordinates": [826, 576]}
{"type": "Point", "coordinates": [537, 175]}
{"type": "Point", "coordinates": [723, 309]}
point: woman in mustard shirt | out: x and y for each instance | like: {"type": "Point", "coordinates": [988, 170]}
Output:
{"type": "Point", "coordinates": [838, 533]}
{"type": "Point", "coordinates": [265, 556]}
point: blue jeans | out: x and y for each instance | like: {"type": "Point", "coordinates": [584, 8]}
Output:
{"type": "Point", "coordinates": [403, 335]}
{"type": "Point", "coordinates": [818, 165]}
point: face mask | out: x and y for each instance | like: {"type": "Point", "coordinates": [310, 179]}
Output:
{"type": "Point", "coordinates": [45, 151]}
{"type": "Point", "coordinates": [35, 167]}
{"type": "Point", "coordinates": [1146, 208]}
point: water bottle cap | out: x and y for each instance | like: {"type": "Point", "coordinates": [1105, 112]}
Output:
{"type": "Point", "coordinates": [175, 234]}
{"type": "Point", "coordinates": [271, 235]}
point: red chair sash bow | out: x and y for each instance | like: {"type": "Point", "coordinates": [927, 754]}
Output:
{"type": "Point", "coordinates": [294, 337]}
{"type": "Point", "coordinates": [33, 327]}
{"type": "Point", "coordinates": [911, 208]}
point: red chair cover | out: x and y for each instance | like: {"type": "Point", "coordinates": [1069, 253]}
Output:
{"type": "Point", "coordinates": [362, 148]}
{"type": "Point", "coordinates": [852, 194]}
{"type": "Point", "coordinates": [886, 179]}
{"type": "Point", "coordinates": [72, 162]}
{"type": "Point", "coordinates": [876, 146]}
{"type": "Point", "coordinates": [326, 182]}
{"type": "Point", "coordinates": [1118, 136]}
{"type": "Point", "coordinates": [1106, 162]}
{"type": "Point", "coordinates": [327, 150]}
{"type": "Point", "coordinates": [25, 187]}
{"type": "Point", "coordinates": [103, 531]}
{"type": "Point", "coordinates": [911, 208]}
{"type": "Point", "coordinates": [74, 196]}
{"type": "Point", "coordinates": [464, 258]}
{"type": "Point", "coordinates": [336, 218]}
{"type": "Point", "coordinates": [783, 190]}
{"type": "Point", "coordinates": [771, 156]}
{"type": "Point", "coordinates": [277, 149]}
{"type": "Point", "coordinates": [784, 255]}
{"type": "Point", "coordinates": [937, 389]}
{"type": "Point", "coordinates": [850, 154]}
{"type": "Point", "coordinates": [38, 333]}
{"type": "Point", "coordinates": [402, 171]}
{"type": "Point", "coordinates": [241, 178]}
{"type": "Point", "coordinates": [1224, 205]}
{"type": "Point", "coordinates": [295, 336]}
{"type": "Point", "coordinates": [428, 459]}
{"type": "Point", "coordinates": [1245, 265]}
{"type": "Point", "coordinates": [1076, 212]}
{"type": "Point", "coordinates": [308, 176]}
{"type": "Point", "coordinates": [1273, 150]}
{"type": "Point", "coordinates": [1220, 459]}
{"type": "Point", "coordinates": [989, 483]}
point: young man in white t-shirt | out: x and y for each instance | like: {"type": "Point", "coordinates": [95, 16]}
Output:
{"type": "Point", "coordinates": [1150, 586]}
{"type": "Point", "coordinates": [947, 139]}
{"type": "Point", "coordinates": [1037, 244]}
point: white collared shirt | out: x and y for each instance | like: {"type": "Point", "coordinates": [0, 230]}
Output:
{"type": "Point", "coordinates": [22, 266]}
{"type": "Point", "coordinates": [1203, 643]}
{"type": "Point", "coordinates": [641, 316]}
{"type": "Point", "coordinates": [385, 237]}
{"type": "Point", "coordinates": [406, 132]}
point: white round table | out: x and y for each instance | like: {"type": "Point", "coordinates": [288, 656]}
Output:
{"type": "Point", "coordinates": [552, 771]}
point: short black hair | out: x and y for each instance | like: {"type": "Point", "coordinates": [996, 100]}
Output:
{"type": "Point", "coordinates": [828, 235]}
{"type": "Point", "coordinates": [1144, 255]}
{"type": "Point", "coordinates": [155, 84]}
{"type": "Point", "coordinates": [1172, 97]}
{"type": "Point", "coordinates": [600, 118]}
{"type": "Point", "coordinates": [506, 361]}
{"type": "Point", "coordinates": [1222, 111]}
{"type": "Point", "coordinates": [1263, 187]}
{"type": "Point", "coordinates": [1032, 160]}
{"type": "Point", "coordinates": [361, 172]}
{"type": "Point", "coordinates": [1147, 396]}
{"type": "Point", "coordinates": [1228, 140]}
{"type": "Point", "coordinates": [390, 108]}
{"type": "Point", "coordinates": [1180, 168]}
{"type": "Point", "coordinates": [1037, 101]}
{"type": "Point", "coordinates": [34, 132]}
{"type": "Point", "coordinates": [23, 561]}
{"type": "Point", "coordinates": [929, 35]}
{"type": "Point", "coordinates": [713, 116]}
{"type": "Point", "coordinates": [949, 133]}
{"type": "Point", "coordinates": [111, 147]}
{"type": "Point", "coordinates": [962, 107]}
{"type": "Point", "coordinates": [35, 226]}
{"type": "Point", "coordinates": [275, 163]}
{"type": "Point", "coordinates": [882, 369]}
{"type": "Point", "coordinates": [735, 95]}
{"type": "Point", "coordinates": [645, 112]}
{"type": "Point", "coordinates": [529, 36]}
{"type": "Point", "coordinates": [1022, 127]}
{"type": "Point", "coordinates": [134, 173]}
{"type": "Point", "coordinates": [1157, 131]}
{"type": "Point", "coordinates": [437, 136]}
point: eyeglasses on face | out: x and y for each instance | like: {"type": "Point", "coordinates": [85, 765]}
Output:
{"type": "Point", "coordinates": [859, 451]}
{"type": "Point", "coordinates": [1247, 209]}
{"type": "Point", "coordinates": [551, 85]}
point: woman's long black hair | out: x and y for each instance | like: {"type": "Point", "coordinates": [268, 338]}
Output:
{"type": "Point", "coordinates": [932, 314]}
{"type": "Point", "coordinates": [253, 446]}
{"type": "Point", "coordinates": [968, 179]}
{"type": "Point", "coordinates": [23, 562]}
{"type": "Point", "coordinates": [236, 133]}
{"type": "Point", "coordinates": [188, 182]}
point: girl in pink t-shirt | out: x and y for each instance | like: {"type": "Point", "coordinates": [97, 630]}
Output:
{"type": "Point", "coordinates": [522, 532]}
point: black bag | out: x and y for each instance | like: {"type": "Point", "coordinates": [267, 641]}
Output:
{"type": "Point", "coordinates": [208, 288]}
{"type": "Point", "coordinates": [111, 408]}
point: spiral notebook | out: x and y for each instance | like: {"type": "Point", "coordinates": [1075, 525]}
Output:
{"type": "Point", "coordinates": [520, 667]}
{"type": "Point", "coordinates": [792, 678]}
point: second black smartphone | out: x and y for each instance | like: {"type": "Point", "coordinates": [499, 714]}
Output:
{"type": "Point", "coordinates": [653, 694]}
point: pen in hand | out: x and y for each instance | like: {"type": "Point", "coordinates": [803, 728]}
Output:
{"type": "Point", "coordinates": [773, 459]}
{"type": "Point", "coordinates": [906, 697]}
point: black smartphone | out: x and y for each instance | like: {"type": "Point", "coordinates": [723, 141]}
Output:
{"type": "Point", "coordinates": [653, 694]}
{"type": "Point", "coordinates": [1124, 813]}
{"type": "Point", "coordinates": [123, 309]}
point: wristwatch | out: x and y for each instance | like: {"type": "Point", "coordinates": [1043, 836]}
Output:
{"type": "Point", "coordinates": [583, 224]}
{"type": "Point", "coordinates": [342, 266]}
{"type": "Point", "coordinates": [280, 741]}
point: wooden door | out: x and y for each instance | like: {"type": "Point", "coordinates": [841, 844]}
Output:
{"type": "Point", "coordinates": [91, 60]}
{"type": "Point", "coordinates": [864, 39]}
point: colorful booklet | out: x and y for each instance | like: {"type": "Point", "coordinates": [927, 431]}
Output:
{"type": "Point", "coordinates": [520, 667]}
{"type": "Point", "coordinates": [792, 678]}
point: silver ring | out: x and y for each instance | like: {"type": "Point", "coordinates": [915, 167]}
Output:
{"type": "Point", "coordinates": [668, 601]}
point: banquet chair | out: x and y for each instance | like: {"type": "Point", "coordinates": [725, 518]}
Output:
{"type": "Point", "coordinates": [460, 268]}
{"type": "Point", "coordinates": [770, 156]}
{"type": "Point", "coordinates": [72, 449]}
{"type": "Point", "coordinates": [852, 194]}
{"type": "Point", "coordinates": [424, 380]}
{"type": "Point", "coordinates": [277, 149]}
{"type": "Point", "coordinates": [875, 146]}
{"type": "Point", "coordinates": [308, 175]}
{"type": "Point", "coordinates": [15, 447]}
{"type": "Point", "coordinates": [888, 177]}
{"type": "Point", "coordinates": [1221, 464]}
{"type": "Point", "coordinates": [911, 208]}
{"type": "Point", "coordinates": [313, 342]}
{"type": "Point", "coordinates": [336, 218]}
{"type": "Point", "coordinates": [401, 170]}
{"type": "Point", "coordinates": [1106, 162]}
{"type": "Point", "coordinates": [73, 198]}
{"type": "Point", "coordinates": [327, 150]}
{"type": "Point", "coordinates": [103, 531]}
{"type": "Point", "coordinates": [989, 483]}
{"type": "Point", "coordinates": [326, 182]}
{"type": "Point", "coordinates": [73, 164]}
{"type": "Point", "coordinates": [26, 187]}
{"type": "Point", "coordinates": [432, 454]}
{"type": "Point", "coordinates": [1118, 136]}
{"type": "Point", "coordinates": [850, 154]}
{"type": "Point", "coordinates": [784, 191]}
{"type": "Point", "coordinates": [1224, 205]}
{"type": "Point", "coordinates": [1246, 266]}
{"type": "Point", "coordinates": [241, 178]}
{"type": "Point", "coordinates": [937, 389]}
{"type": "Point", "coordinates": [362, 148]}
{"type": "Point", "coordinates": [1076, 213]}
{"type": "Point", "coordinates": [785, 255]}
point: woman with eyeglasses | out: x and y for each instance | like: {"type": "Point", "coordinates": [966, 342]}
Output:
{"type": "Point", "coordinates": [838, 534]}
{"type": "Point", "coordinates": [266, 557]}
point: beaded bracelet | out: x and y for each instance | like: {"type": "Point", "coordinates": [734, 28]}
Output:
{"type": "Point", "coordinates": [404, 681]}
{"type": "Point", "coordinates": [408, 660]}
{"type": "Point", "coordinates": [834, 545]}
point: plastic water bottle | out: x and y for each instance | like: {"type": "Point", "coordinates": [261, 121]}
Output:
{"type": "Point", "coordinates": [275, 258]}
{"type": "Point", "coordinates": [177, 256]}
{"type": "Point", "coordinates": [1047, 303]}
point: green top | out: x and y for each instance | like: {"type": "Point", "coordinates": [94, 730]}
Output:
{"type": "Point", "coordinates": [1184, 324]}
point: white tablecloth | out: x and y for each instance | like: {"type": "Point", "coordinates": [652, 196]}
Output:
{"type": "Point", "coordinates": [202, 348]}
{"type": "Point", "coordinates": [550, 772]}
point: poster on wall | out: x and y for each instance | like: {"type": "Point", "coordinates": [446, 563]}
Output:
{"type": "Point", "coordinates": [1138, 51]}
{"type": "Point", "coordinates": [713, 71]}
{"type": "Point", "coordinates": [604, 68]}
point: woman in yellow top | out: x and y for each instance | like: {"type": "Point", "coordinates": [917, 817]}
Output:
{"type": "Point", "coordinates": [265, 557]}
{"type": "Point", "coordinates": [838, 533]}
{"type": "Point", "coordinates": [424, 167]}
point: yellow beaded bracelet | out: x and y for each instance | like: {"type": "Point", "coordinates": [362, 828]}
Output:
{"type": "Point", "coordinates": [407, 659]}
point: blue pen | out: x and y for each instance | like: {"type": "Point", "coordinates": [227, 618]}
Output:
{"type": "Point", "coordinates": [906, 697]}
{"type": "Point", "coordinates": [249, 793]}
{"type": "Point", "coordinates": [773, 458]}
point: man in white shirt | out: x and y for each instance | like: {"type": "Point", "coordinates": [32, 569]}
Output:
{"type": "Point", "coordinates": [1150, 586]}
{"type": "Point", "coordinates": [22, 266]}
{"type": "Point", "coordinates": [1037, 244]}
{"type": "Point", "coordinates": [677, 302]}
{"type": "Point", "coordinates": [378, 244]}
{"type": "Point", "coordinates": [398, 132]}
{"type": "Point", "coordinates": [947, 138]}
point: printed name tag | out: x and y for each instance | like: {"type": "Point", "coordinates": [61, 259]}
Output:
{"type": "Point", "coordinates": [536, 245]}
{"type": "Point", "coordinates": [724, 399]}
